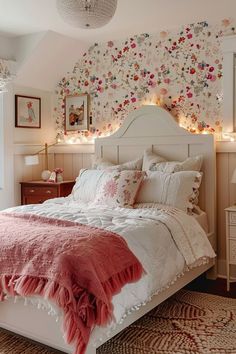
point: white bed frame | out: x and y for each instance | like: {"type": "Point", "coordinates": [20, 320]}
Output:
{"type": "Point", "coordinates": [148, 127]}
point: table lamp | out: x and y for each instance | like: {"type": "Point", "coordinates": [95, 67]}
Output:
{"type": "Point", "coordinates": [32, 160]}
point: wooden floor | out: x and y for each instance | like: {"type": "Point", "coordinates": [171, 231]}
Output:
{"type": "Point", "coordinates": [216, 287]}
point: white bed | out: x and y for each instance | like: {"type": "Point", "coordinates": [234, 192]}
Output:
{"type": "Point", "coordinates": [149, 127]}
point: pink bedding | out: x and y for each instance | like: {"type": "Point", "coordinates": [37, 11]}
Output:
{"type": "Point", "coordinates": [78, 267]}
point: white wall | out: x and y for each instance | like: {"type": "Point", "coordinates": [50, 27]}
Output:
{"type": "Point", "coordinates": [7, 193]}
{"type": "Point", "coordinates": [7, 48]}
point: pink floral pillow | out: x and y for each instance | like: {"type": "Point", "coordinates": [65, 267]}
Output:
{"type": "Point", "coordinates": [119, 188]}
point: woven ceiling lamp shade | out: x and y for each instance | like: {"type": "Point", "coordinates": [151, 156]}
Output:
{"type": "Point", "coordinates": [87, 13]}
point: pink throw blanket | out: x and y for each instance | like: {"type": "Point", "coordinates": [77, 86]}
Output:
{"type": "Point", "coordinates": [78, 267]}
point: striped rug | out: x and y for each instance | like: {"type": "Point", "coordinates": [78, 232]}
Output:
{"type": "Point", "coordinates": [187, 323]}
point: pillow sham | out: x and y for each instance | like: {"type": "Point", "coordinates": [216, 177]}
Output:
{"type": "Point", "coordinates": [179, 189]}
{"type": "Point", "coordinates": [150, 158]}
{"type": "Point", "coordinates": [86, 184]}
{"type": "Point", "coordinates": [119, 188]}
{"type": "Point", "coordinates": [154, 162]}
{"type": "Point", "coordinates": [102, 164]}
{"type": "Point", "coordinates": [99, 163]}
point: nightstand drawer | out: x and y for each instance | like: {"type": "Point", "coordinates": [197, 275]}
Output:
{"type": "Point", "coordinates": [40, 191]}
{"type": "Point", "coordinates": [232, 231]}
{"type": "Point", "coordinates": [34, 192]}
{"type": "Point", "coordinates": [232, 218]}
{"type": "Point", "coordinates": [232, 252]}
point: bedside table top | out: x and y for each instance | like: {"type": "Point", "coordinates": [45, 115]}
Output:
{"type": "Point", "coordinates": [231, 208]}
{"type": "Point", "coordinates": [43, 183]}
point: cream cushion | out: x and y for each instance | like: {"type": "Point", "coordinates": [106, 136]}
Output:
{"type": "Point", "coordinates": [155, 162]}
{"type": "Point", "coordinates": [179, 189]}
{"type": "Point", "coordinates": [102, 164]}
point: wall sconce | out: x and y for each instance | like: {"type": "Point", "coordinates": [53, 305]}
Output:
{"type": "Point", "coordinates": [32, 160]}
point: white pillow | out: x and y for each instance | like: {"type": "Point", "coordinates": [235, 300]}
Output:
{"type": "Point", "coordinates": [102, 164]}
{"type": "Point", "coordinates": [150, 158]}
{"type": "Point", "coordinates": [154, 162]}
{"type": "Point", "coordinates": [178, 189]}
{"type": "Point", "coordinates": [84, 190]}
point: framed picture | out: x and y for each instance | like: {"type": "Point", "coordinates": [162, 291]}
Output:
{"type": "Point", "coordinates": [27, 112]}
{"type": "Point", "coordinates": [76, 113]}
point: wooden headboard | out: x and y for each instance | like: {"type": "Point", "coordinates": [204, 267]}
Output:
{"type": "Point", "coordinates": [155, 128]}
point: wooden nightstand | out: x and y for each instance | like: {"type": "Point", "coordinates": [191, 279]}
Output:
{"type": "Point", "coordinates": [230, 241]}
{"type": "Point", "coordinates": [36, 192]}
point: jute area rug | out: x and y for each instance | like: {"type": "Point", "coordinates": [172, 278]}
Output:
{"type": "Point", "coordinates": [187, 323]}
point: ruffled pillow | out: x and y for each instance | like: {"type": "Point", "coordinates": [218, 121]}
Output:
{"type": "Point", "coordinates": [119, 188]}
{"type": "Point", "coordinates": [154, 162]}
{"type": "Point", "coordinates": [102, 164]}
{"type": "Point", "coordinates": [178, 189]}
{"type": "Point", "coordinates": [150, 158]}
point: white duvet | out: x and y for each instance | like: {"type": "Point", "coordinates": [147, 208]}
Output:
{"type": "Point", "coordinates": [165, 240]}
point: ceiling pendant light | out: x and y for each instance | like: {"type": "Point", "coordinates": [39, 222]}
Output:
{"type": "Point", "coordinates": [87, 13]}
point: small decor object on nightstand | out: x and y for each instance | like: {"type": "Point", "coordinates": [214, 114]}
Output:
{"type": "Point", "coordinates": [230, 242]}
{"type": "Point", "coordinates": [58, 171]}
{"type": "Point", "coordinates": [53, 177]}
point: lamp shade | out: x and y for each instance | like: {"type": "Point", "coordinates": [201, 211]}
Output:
{"type": "Point", "coordinates": [233, 178]}
{"type": "Point", "coordinates": [32, 160]}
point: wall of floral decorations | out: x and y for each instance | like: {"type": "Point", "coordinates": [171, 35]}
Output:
{"type": "Point", "coordinates": [180, 69]}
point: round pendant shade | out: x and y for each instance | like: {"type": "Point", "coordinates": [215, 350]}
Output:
{"type": "Point", "coordinates": [87, 13]}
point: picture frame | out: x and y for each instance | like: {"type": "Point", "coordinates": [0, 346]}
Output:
{"type": "Point", "coordinates": [27, 112]}
{"type": "Point", "coordinates": [76, 112]}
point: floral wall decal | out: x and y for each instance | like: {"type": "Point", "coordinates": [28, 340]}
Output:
{"type": "Point", "coordinates": [182, 68]}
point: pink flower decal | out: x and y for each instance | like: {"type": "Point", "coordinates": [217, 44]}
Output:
{"type": "Point", "coordinates": [110, 188]}
{"type": "Point", "coordinates": [163, 91]}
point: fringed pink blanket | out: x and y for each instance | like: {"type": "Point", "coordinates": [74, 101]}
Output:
{"type": "Point", "coordinates": [78, 267]}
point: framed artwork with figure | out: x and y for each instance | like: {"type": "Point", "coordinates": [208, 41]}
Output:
{"type": "Point", "coordinates": [27, 112]}
{"type": "Point", "coordinates": [76, 113]}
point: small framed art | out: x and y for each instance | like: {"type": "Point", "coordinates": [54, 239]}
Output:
{"type": "Point", "coordinates": [27, 112]}
{"type": "Point", "coordinates": [76, 112]}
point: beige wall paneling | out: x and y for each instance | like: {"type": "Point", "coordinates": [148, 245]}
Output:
{"type": "Point", "coordinates": [87, 160]}
{"type": "Point", "coordinates": [172, 151]}
{"type": "Point", "coordinates": [111, 153]}
{"type": "Point", "coordinates": [67, 166]}
{"type": "Point", "coordinates": [222, 200]}
{"type": "Point", "coordinates": [226, 196]}
{"type": "Point", "coordinates": [128, 152]}
{"type": "Point", "coordinates": [77, 164]}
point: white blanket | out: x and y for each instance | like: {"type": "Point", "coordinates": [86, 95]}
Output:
{"type": "Point", "coordinates": [166, 241]}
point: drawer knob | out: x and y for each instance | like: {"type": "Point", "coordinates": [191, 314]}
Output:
{"type": "Point", "coordinates": [48, 192]}
{"type": "Point", "coordinates": [31, 190]}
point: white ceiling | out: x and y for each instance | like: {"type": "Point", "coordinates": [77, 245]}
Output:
{"type": "Point", "coordinates": [20, 17]}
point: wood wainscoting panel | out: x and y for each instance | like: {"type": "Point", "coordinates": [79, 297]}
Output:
{"type": "Point", "coordinates": [226, 196]}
